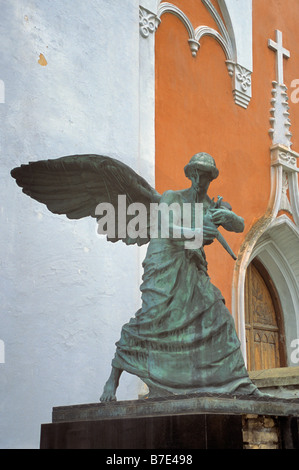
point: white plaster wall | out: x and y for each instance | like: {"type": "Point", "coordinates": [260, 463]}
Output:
{"type": "Point", "coordinates": [64, 292]}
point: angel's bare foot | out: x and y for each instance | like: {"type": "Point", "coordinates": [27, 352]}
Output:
{"type": "Point", "coordinates": [109, 392]}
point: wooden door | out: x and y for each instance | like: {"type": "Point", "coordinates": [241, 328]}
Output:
{"type": "Point", "coordinates": [263, 321]}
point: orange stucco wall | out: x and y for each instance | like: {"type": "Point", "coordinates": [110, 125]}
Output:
{"type": "Point", "coordinates": [195, 111]}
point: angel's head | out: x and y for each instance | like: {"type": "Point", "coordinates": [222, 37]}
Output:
{"type": "Point", "coordinates": [201, 170]}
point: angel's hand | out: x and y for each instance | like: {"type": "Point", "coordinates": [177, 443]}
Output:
{"type": "Point", "coordinates": [222, 216]}
{"type": "Point", "coordinates": [210, 232]}
{"type": "Point", "coordinates": [228, 219]}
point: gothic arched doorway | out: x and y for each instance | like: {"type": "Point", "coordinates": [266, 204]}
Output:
{"type": "Point", "coordinates": [265, 339]}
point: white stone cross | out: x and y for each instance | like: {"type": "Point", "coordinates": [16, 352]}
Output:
{"type": "Point", "coordinates": [281, 53]}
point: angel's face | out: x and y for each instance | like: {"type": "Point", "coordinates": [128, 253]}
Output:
{"type": "Point", "coordinates": [200, 181]}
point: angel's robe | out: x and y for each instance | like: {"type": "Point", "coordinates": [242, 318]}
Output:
{"type": "Point", "coordinates": [183, 338]}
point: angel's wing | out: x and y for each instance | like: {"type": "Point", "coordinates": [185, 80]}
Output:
{"type": "Point", "coordinates": [74, 185]}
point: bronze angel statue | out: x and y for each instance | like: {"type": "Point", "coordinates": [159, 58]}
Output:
{"type": "Point", "coordinates": [183, 339]}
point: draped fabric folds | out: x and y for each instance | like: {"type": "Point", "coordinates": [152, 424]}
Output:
{"type": "Point", "coordinates": [183, 339]}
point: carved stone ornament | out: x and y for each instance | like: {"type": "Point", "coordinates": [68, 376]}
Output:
{"type": "Point", "coordinates": [285, 157]}
{"type": "Point", "coordinates": [284, 174]}
{"type": "Point", "coordinates": [241, 76]}
{"type": "Point", "coordinates": [279, 120]}
{"type": "Point", "coordinates": [148, 22]}
{"type": "Point", "coordinates": [284, 202]}
{"type": "Point", "coordinates": [242, 86]}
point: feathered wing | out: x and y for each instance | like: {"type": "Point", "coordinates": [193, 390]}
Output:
{"type": "Point", "coordinates": [74, 185]}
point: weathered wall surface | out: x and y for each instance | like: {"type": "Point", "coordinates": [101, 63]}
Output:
{"type": "Point", "coordinates": [71, 75]}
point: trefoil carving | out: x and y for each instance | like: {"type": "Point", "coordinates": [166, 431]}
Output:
{"type": "Point", "coordinates": [148, 22]}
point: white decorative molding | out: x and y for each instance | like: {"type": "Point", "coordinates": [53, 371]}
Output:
{"type": "Point", "coordinates": [281, 53]}
{"type": "Point", "coordinates": [196, 34]}
{"type": "Point", "coordinates": [284, 200]}
{"type": "Point", "coordinates": [242, 86]}
{"type": "Point", "coordinates": [282, 155]}
{"type": "Point", "coordinates": [241, 76]}
{"type": "Point", "coordinates": [284, 169]}
{"type": "Point", "coordinates": [227, 39]}
{"type": "Point", "coordinates": [148, 22]}
{"type": "Point", "coordinates": [166, 7]}
{"type": "Point", "coordinates": [284, 192]}
{"type": "Point", "coordinates": [244, 77]}
{"type": "Point", "coordinates": [202, 31]}
{"type": "Point", "coordinates": [279, 120]}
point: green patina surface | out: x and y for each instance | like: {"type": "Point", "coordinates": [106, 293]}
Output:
{"type": "Point", "coordinates": [183, 339]}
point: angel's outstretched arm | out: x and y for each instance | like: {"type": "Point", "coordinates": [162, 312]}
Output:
{"type": "Point", "coordinates": [228, 220]}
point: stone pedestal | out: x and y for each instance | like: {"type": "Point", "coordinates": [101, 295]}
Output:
{"type": "Point", "coordinates": [282, 382]}
{"type": "Point", "coordinates": [180, 422]}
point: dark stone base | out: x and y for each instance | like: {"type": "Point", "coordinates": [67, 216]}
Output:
{"type": "Point", "coordinates": [165, 432]}
{"type": "Point", "coordinates": [289, 432]}
{"type": "Point", "coordinates": [181, 422]}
